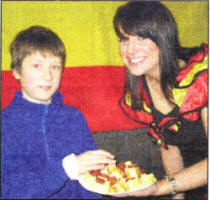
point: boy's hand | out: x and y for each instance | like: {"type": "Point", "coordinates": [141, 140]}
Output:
{"type": "Point", "coordinates": [90, 160]}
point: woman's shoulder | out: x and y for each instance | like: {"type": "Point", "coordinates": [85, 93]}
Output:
{"type": "Point", "coordinates": [196, 65]}
{"type": "Point", "coordinates": [191, 93]}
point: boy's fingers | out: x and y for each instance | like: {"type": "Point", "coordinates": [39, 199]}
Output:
{"type": "Point", "coordinates": [102, 152]}
{"type": "Point", "coordinates": [94, 167]}
{"type": "Point", "coordinates": [99, 160]}
{"type": "Point", "coordinates": [103, 161]}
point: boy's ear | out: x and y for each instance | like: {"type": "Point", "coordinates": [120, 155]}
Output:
{"type": "Point", "coordinates": [16, 74]}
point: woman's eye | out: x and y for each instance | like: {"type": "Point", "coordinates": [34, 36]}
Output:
{"type": "Point", "coordinates": [122, 39]}
{"type": "Point", "coordinates": [140, 38]}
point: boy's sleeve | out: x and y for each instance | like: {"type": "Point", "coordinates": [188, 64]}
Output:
{"type": "Point", "coordinates": [83, 136]}
{"type": "Point", "coordinates": [75, 138]}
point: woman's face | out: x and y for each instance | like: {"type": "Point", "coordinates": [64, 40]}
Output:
{"type": "Point", "coordinates": [141, 56]}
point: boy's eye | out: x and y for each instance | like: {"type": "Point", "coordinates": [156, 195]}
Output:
{"type": "Point", "coordinates": [55, 67]}
{"type": "Point", "coordinates": [36, 66]}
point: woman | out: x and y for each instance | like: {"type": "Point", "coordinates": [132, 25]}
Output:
{"type": "Point", "coordinates": [166, 89]}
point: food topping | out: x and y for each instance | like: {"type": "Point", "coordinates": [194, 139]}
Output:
{"type": "Point", "coordinates": [115, 179]}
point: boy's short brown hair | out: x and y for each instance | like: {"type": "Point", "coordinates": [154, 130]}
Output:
{"type": "Point", "coordinates": [35, 38]}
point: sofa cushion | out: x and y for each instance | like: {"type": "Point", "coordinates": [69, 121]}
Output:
{"type": "Point", "coordinates": [134, 145]}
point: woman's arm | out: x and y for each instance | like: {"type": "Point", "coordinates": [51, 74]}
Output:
{"type": "Point", "coordinates": [172, 163]}
{"type": "Point", "coordinates": [189, 178]}
{"type": "Point", "coordinates": [172, 160]}
{"type": "Point", "coordinates": [204, 117]}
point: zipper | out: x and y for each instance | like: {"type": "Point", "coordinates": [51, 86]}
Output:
{"type": "Point", "coordinates": [44, 131]}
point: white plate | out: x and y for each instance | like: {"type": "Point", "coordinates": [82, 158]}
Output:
{"type": "Point", "coordinates": [86, 186]}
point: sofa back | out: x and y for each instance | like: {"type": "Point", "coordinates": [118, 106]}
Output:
{"type": "Point", "coordinates": [95, 91]}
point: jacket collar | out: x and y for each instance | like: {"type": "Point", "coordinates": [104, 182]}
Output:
{"type": "Point", "coordinates": [19, 101]}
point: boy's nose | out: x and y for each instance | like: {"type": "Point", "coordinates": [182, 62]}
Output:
{"type": "Point", "coordinates": [47, 74]}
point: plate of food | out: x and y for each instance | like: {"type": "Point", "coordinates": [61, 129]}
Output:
{"type": "Point", "coordinates": [123, 178]}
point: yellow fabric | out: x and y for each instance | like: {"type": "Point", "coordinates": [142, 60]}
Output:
{"type": "Point", "coordinates": [196, 68]}
{"type": "Point", "coordinates": [86, 27]}
{"type": "Point", "coordinates": [178, 93]}
{"type": "Point", "coordinates": [149, 110]}
{"type": "Point", "coordinates": [175, 127]}
{"type": "Point", "coordinates": [128, 99]}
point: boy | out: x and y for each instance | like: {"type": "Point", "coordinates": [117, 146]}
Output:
{"type": "Point", "coordinates": [43, 141]}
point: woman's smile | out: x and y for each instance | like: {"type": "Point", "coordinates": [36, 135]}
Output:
{"type": "Point", "coordinates": [136, 61]}
{"type": "Point", "coordinates": [141, 56]}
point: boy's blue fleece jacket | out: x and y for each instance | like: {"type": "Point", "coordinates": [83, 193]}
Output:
{"type": "Point", "coordinates": [34, 140]}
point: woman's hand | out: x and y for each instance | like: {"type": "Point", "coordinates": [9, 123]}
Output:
{"type": "Point", "coordinates": [150, 191]}
{"type": "Point", "coordinates": [92, 160]}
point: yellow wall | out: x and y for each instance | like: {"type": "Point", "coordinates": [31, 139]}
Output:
{"type": "Point", "coordinates": [86, 27]}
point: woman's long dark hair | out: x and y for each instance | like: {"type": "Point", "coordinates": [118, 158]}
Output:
{"type": "Point", "coordinates": [151, 19]}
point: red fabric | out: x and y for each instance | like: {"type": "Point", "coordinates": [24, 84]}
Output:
{"type": "Point", "coordinates": [8, 87]}
{"type": "Point", "coordinates": [192, 101]}
{"type": "Point", "coordinates": [140, 116]}
{"type": "Point", "coordinates": [197, 58]}
{"type": "Point", "coordinates": [95, 91]}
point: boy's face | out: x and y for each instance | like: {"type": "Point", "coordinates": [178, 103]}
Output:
{"type": "Point", "coordinates": [40, 76]}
